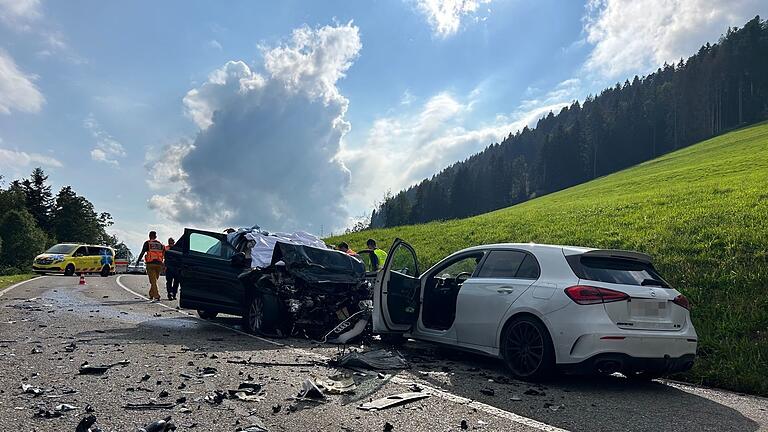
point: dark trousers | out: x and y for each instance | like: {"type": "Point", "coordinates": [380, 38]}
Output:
{"type": "Point", "coordinates": [171, 282]}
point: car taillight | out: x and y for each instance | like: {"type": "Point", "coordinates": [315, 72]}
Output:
{"type": "Point", "coordinates": [586, 295]}
{"type": "Point", "coordinates": [682, 301]}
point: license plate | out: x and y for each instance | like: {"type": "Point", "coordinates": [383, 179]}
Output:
{"type": "Point", "coordinates": [654, 309]}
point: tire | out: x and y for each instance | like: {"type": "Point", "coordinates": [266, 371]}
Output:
{"type": "Point", "coordinates": [527, 349]}
{"type": "Point", "coordinates": [69, 270]}
{"type": "Point", "coordinates": [206, 315]}
{"type": "Point", "coordinates": [393, 339]}
{"type": "Point", "coordinates": [262, 316]}
{"type": "Point", "coordinates": [104, 271]}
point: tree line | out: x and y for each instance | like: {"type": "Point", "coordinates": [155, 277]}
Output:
{"type": "Point", "coordinates": [33, 219]}
{"type": "Point", "coordinates": [721, 87]}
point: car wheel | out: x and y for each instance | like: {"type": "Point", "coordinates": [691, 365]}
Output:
{"type": "Point", "coordinates": [69, 270]}
{"type": "Point", "coordinates": [527, 349]}
{"type": "Point", "coordinates": [263, 316]}
{"type": "Point", "coordinates": [206, 314]}
{"type": "Point", "coordinates": [104, 271]}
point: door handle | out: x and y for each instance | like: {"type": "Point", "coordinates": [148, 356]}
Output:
{"type": "Point", "coordinates": [505, 290]}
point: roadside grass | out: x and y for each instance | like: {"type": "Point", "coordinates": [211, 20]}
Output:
{"type": "Point", "coordinates": [701, 212]}
{"type": "Point", "coordinates": [6, 281]}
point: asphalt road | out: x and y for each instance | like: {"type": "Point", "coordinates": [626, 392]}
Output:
{"type": "Point", "coordinates": [50, 326]}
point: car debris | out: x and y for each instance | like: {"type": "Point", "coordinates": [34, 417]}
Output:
{"type": "Point", "coordinates": [89, 369]}
{"type": "Point", "coordinates": [337, 384]}
{"type": "Point", "coordinates": [48, 414]}
{"type": "Point", "coordinates": [253, 428]}
{"type": "Point", "coordinates": [310, 391]}
{"type": "Point", "coordinates": [151, 405]}
{"type": "Point", "coordinates": [388, 427]}
{"type": "Point", "coordinates": [65, 408]}
{"type": "Point", "coordinates": [216, 398]}
{"type": "Point", "coordinates": [266, 364]}
{"type": "Point", "coordinates": [86, 424]}
{"type": "Point", "coordinates": [163, 425]}
{"type": "Point", "coordinates": [380, 359]}
{"type": "Point", "coordinates": [30, 389]}
{"type": "Point", "coordinates": [393, 400]}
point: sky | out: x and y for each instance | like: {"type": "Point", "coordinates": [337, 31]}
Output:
{"type": "Point", "coordinates": [301, 115]}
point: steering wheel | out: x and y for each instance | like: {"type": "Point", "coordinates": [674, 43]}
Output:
{"type": "Point", "coordinates": [465, 275]}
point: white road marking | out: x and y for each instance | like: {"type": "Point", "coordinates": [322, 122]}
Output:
{"type": "Point", "coordinates": [2, 293]}
{"type": "Point", "coordinates": [488, 409]}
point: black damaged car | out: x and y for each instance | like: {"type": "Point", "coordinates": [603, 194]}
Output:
{"type": "Point", "coordinates": [304, 291]}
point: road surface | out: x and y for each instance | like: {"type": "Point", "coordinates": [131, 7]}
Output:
{"type": "Point", "coordinates": [49, 326]}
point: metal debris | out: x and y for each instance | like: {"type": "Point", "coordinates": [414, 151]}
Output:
{"type": "Point", "coordinates": [148, 406]}
{"type": "Point", "coordinates": [86, 423]}
{"type": "Point", "coordinates": [163, 425]}
{"type": "Point", "coordinates": [337, 384]}
{"type": "Point", "coordinates": [391, 401]}
{"type": "Point", "coordinates": [29, 388]}
{"type": "Point", "coordinates": [89, 369]}
{"type": "Point", "coordinates": [309, 390]}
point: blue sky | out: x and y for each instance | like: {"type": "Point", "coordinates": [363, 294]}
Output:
{"type": "Point", "coordinates": [320, 107]}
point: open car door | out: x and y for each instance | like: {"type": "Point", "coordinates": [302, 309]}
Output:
{"type": "Point", "coordinates": [397, 291]}
{"type": "Point", "coordinates": [209, 269]}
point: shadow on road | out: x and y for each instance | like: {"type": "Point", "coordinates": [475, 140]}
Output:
{"type": "Point", "coordinates": [578, 403]}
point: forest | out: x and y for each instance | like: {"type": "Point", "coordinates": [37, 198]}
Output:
{"type": "Point", "coordinates": [33, 219]}
{"type": "Point", "coordinates": [722, 87]}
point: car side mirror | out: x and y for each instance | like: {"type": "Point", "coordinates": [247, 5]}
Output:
{"type": "Point", "coordinates": [239, 259]}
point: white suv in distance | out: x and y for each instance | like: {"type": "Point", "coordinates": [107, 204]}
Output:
{"type": "Point", "coordinates": [540, 308]}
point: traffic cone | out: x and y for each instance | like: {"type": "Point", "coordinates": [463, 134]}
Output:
{"type": "Point", "coordinates": [82, 279]}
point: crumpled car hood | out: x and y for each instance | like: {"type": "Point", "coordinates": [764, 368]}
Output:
{"type": "Point", "coordinates": [317, 265]}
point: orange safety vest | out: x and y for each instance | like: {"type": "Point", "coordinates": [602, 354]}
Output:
{"type": "Point", "coordinates": [155, 252]}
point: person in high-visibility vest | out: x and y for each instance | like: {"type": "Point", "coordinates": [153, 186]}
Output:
{"type": "Point", "coordinates": [380, 254]}
{"type": "Point", "coordinates": [155, 252]}
{"type": "Point", "coordinates": [171, 276]}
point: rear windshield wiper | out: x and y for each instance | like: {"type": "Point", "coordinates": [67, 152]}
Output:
{"type": "Point", "coordinates": [654, 282]}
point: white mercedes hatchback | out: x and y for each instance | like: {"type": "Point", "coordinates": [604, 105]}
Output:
{"type": "Point", "coordinates": [540, 308]}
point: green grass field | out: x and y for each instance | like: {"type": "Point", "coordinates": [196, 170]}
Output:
{"type": "Point", "coordinates": [701, 212]}
{"type": "Point", "coordinates": [6, 281]}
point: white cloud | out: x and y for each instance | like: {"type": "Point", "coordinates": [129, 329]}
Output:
{"type": "Point", "coordinates": [401, 150]}
{"type": "Point", "coordinates": [444, 16]}
{"type": "Point", "coordinates": [17, 91]}
{"type": "Point", "coordinates": [637, 36]}
{"type": "Point", "coordinates": [14, 159]}
{"type": "Point", "coordinates": [165, 169]}
{"type": "Point", "coordinates": [266, 151]}
{"type": "Point", "coordinates": [107, 148]}
{"type": "Point", "coordinates": [18, 13]}
{"type": "Point", "coordinates": [213, 43]}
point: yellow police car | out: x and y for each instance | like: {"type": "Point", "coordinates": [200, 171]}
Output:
{"type": "Point", "coordinates": [72, 258]}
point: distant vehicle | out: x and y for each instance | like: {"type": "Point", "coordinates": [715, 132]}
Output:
{"type": "Point", "coordinates": [279, 288]}
{"type": "Point", "coordinates": [540, 308]}
{"type": "Point", "coordinates": [121, 265]}
{"type": "Point", "coordinates": [73, 258]}
{"type": "Point", "coordinates": [137, 267]}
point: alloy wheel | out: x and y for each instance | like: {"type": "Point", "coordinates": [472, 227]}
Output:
{"type": "Point", "coordinates": [256, 314]}
{"type": "Point", "coordinates": [524, 348]}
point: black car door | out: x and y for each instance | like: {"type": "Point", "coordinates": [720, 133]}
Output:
{"type": "Point", "coordinates": [209, 276]}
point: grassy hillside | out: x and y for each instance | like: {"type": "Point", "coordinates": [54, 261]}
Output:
{"type": "Point", "coordinates": [701, 212]}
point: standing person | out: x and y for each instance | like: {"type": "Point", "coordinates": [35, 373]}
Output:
{"type": "Point", "coordinates": [171, 276]}
{"type": "Point", "coordinates": [380, 254]}
{"type": "Point", "coordinates": [154, 251]}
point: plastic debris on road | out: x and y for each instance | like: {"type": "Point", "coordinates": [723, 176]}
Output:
{"type": "Point", "coordinates": [337, 384]}
{"type": "Point", "coordinates": [390, 401]}
{"type": "Point", "coordinates": [163, 425]}
{"type": "Point", "coordinates": [380, 359]}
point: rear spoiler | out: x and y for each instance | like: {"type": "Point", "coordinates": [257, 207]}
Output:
{"type": "Point", "coordinates": [613, 253]}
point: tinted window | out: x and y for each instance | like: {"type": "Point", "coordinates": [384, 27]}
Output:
{"type": "Point", "coordinates": [97, 251]}
{"type": "Point", "coordinates": [81, 251]}
{"type": "Point", "coordinates": [501, 264]}
{"type": "Point", "coordinates": [204, 244]}
{"type": "Point", "coordinates": [529, 269]}
{"type": "Point", "coordinates": [615, 270]}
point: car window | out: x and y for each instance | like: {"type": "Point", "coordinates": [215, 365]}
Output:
{"type": "Point", "coordinates": [61, 249]}
{"type": "Point", "coordinates": [404, 262]}
{"type": "Point", "coordinates": [95, 251]}
{"type": "Point", "coordinates": [529, 269]}
{"type": "Point", "coordinates": [204, 244]}
{"type": "Point", "coordinates": [466, 264]}
{"type": "Point", "coordinates": [616, 270]}
{"type": "Point", "coordinates": [81, 251]}
{"type": "Point", "coordinates": [502, 264]}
